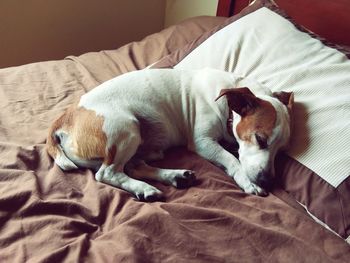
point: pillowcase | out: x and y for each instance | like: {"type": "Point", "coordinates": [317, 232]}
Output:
{"type": "Point", "coordinates": [262, 44]}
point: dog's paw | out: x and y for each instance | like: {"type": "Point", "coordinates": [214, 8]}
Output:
{"type": "Point", "coordinates": [149, 194]}
{"type": "Point", "coordinates": [183, 179]}
{"type": "Point", "coordinates": [255, 189]}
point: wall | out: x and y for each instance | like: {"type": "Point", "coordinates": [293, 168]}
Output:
{"type": "Point", "coordinates": [36, 30]}
{"type": "Point", "coordinates": [178, 10]}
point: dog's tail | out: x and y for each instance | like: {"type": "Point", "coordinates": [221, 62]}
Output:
{"type": "Point", "coordinates": [54, 147]}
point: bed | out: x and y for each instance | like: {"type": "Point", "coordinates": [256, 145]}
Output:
{"type": "Point", "coordinates": [47, 215]}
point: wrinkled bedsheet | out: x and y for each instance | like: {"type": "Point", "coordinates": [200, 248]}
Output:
{"type": "Point", "coordinates": [47, 215]}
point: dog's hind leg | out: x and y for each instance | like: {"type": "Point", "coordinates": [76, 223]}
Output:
{"type": "Point", "coordinates": [143, 191]}
{"type": "Point", "coordinates": [112, 170]}
{"type": "Point", "coordinates": [178, 178]}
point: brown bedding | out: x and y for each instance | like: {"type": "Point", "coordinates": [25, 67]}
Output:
{"type": "Point", "coordinates": [50, 216]}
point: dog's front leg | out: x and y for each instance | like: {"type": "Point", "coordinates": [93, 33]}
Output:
{"type": "Point", "coordinates": [214, 152]}
{"type": "Point", "coordinates": [178, 178]}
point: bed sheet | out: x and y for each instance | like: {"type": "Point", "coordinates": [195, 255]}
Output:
{"type": "Point", "coordinates": [47, 215]}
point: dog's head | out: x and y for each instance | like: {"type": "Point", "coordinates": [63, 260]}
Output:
{"type": "Point", "coordinates": [261, 126]}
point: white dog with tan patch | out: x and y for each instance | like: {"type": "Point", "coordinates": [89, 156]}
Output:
{"type": "Point", "coordinates": [131, 119]}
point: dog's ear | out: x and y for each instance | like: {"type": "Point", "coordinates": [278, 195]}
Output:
{"type": "Point", "coordinates": [240, 100]}
{"type": "Point", "coordinates": [287, 98]}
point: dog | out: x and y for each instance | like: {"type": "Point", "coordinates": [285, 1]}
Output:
{"type": "Point", "coordinates": [129, 120]}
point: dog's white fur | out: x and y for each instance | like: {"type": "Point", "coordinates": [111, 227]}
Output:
{"type": "Point", "coordinates": [145, 112]}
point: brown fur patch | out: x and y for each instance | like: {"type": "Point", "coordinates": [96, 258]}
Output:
{"type": "Point", "coordinates": [88, 139]}
{"type": "Point", "coordinates": [51, 141]}
{"type": "Point", "coordinates": [260, 119]}
{"type": "Point", "coordinates": [84, 128]}
{"type": "Point", "coordinates": [110, 155]}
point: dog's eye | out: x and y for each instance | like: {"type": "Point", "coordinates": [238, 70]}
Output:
{"type": "Point", "coordinates": [261, 140]}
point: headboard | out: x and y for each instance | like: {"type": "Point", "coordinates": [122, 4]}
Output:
{"type": "Point", "coordinates": [329, 19]}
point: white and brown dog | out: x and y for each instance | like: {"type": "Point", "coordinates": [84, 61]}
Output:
{"type": "Point", "coordinates": [134, 117]}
